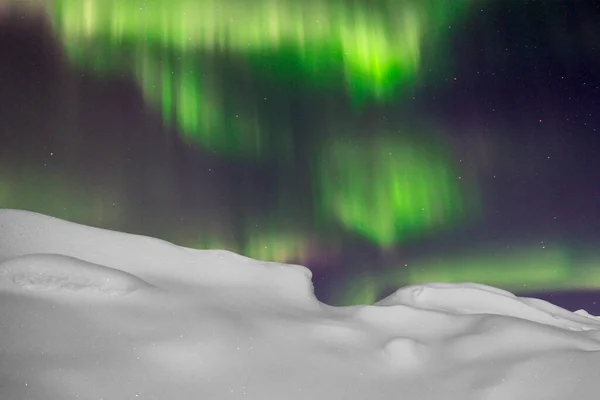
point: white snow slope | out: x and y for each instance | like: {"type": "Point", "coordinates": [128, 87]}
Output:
{"type": "Point", "coordinates": [87, 313]}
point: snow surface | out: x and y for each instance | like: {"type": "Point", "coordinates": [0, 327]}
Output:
{"type": "Point", "coordinates": [87, 313]}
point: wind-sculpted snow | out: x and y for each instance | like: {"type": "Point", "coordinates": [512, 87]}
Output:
{"type": "Point", "coordinates": [473, 298]}
{"type": "Point", "coordinates": [59, 275]}
{"type": "Point", "coordinates": [157, 262]}
{"type": "Point", "coordinates": [92, 314]}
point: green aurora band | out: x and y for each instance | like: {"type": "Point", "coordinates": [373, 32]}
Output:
{"type": "Point", "coordinates": [388, 188]}
{"type": "Point", "coordinates": [373, 47]}
{"type": "Point", "coordinates": [171, 47]}
{"type": "Point", "coordinates": [526, 269]}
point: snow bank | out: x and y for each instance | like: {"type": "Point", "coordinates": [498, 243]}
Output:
{"type": "Point", "coordinates": [87, 313]}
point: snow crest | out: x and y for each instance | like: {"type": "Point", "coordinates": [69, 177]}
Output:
{"type": "Point", "coordinates": [56, 274]}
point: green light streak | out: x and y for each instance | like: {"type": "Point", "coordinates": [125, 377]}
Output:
{"type": "Point", "coordinates": [375, 45]}
{"type": "Point", "coordinates": [177, 84]}
{"type": "Point", "coordinates": [524, 270]}
{"type": "Point", "coordinates": [170, 46]}
{"type": "Point", "coordinates": [528, 270]}
{"type": "Point", "coordinates": [178, 87]}
{"type": "Point", "coordinates": [388, 189]}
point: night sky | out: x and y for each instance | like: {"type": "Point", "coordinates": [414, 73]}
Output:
{"type": "Point", "coordinates": [379, 143]}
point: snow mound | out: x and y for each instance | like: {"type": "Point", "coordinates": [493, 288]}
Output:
{"type": "Point", "coordinates": [56, 274]}
{"type": "Point", "coordinates": [157, 262]}
{"type": "Point", "coordinates": [474, 298]}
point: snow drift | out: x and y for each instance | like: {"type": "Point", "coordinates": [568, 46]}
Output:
{"type": "Point", "coordinates": [87, 313]}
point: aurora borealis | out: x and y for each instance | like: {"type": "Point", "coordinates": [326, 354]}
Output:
{"type": "Point", "coordinates": [415, 188]}
{"type": "Point", "coordinates": [379, 143]}
{"type": "Point", "coordinates": [374, 46]}
{"type": "Point", "coordinates": [172, 49]}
